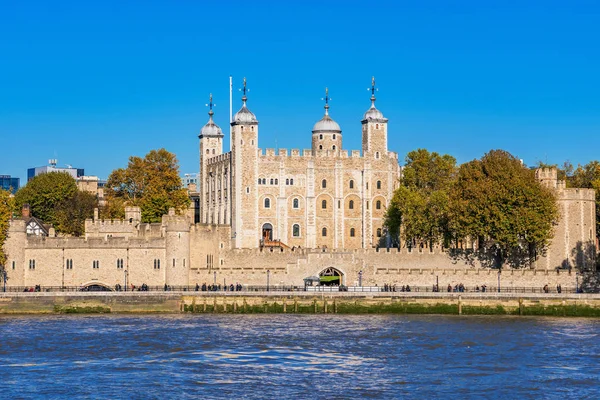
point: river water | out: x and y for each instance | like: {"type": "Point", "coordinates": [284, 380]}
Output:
{"type": "Point", "coordinates": [298, 356]}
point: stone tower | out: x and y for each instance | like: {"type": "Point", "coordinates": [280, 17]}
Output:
{"type": "Point", "coordinates": [244, 222]}
{"type": "Point", "coordinates": [177, 248]}
{"type": "Point", "coordinates": [326, 134]}
{"type": "Point", "coordinates": [211, 145]}
{"type": "Point", "coordinates": [374, 130]}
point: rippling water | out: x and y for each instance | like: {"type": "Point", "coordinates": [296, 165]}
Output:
{"type": "Point", "coordinates": [298, 356]}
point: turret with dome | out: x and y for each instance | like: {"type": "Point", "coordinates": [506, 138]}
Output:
{"type": "Point", "coordinates": [326, 133]}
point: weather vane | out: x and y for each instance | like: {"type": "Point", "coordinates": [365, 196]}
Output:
{"type": "Point", "coordinates": [210, 105]}
{"type": "Point", "coordinates": [373, 89]}
{"type": "Point", "coordinates": [244, 90]}
{"type": "Point", "coordinates": [326, 98]}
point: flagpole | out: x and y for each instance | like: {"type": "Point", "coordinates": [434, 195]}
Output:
{"type": "Point", "coordinates": [230, 110]}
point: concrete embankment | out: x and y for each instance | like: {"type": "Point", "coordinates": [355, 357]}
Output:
{"type": "Point", "coordinates": [302, 302]}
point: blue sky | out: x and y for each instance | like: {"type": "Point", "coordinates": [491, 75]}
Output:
{"type": "Point", "coordinates": [91, 83]}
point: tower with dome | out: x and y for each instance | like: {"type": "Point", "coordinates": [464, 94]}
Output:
{"type": "Point", "coordinates": [323, 197]}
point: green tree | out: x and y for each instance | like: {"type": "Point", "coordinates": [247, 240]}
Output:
{"type": "Point", "coordinates": [152, 183]}
{"type": "Point", "coordinates": [44, 192]}
{"type": "Point", "coordinates": [498, 201]}
{"type": "Point", "coordinates": [72, 212]}
{"type": "Point", "coordinates": [420, 206]}
{"type": "Point", "coordinates": [6, 208]}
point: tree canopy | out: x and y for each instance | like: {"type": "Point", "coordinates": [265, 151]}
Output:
{"type": "Point", "coordinates": [54, 198]}
{"type": "Point", "coordinates": [496, 201]}
{"type": "Point", "coordinates": [44, 192]}
{"type": "Point", "coordinates": [421, 203]}
{"type": "Point", "coordinates": [500, 202]}
{"type": "Point", "coordinates": [6, 208]}
{"type": "Point", "coordinates": [152, 183]}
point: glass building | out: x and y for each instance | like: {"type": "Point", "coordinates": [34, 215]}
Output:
{"type": "Point", "coordinates": [9, 183]}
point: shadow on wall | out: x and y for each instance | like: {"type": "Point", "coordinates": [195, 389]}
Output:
{"type": "Point", "coordinates": [587, 264]}
{"type": "Point", "coordinates": [491, 257]}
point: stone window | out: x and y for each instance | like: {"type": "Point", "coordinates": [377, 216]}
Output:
{"type": "Point", "coordinates": [321, 136]}
{"type": "Point", "coordinates": [334, 136]}
{"type": "Point", "coordinates": [173, 262]}
{"type": "Point", "coordinates": [377, 155]}
{"type": "Point", "coordinates": [324, 183]}
{"type": "Point", "coordinates": [320, 147]}
{"type": "Point", "coordinates": [291, 181]}
{"type": "Point", "coordinates": [207, 151]}
{"type": "Point", "coordinates": [352, 232]}
{"type": "Point", "coordinates": [13, 265]}
{"type": "Point", "coordinates": [378, 184]}
{"type": "Point", "coordinates": [378, 232]}
{"type": "Point", "coordinates": [271, 181]}
{"type": "Point", "coordinates": [296, 230]}
{"type": "Point", "coordinates": [31, 264]}
{"type": "Point", "coordinates": [95, 264]}
{"type": "Point", "coordinates": [259, 181]}
{"type": "Point", "coordinates": [376, 126]}
{"type": "Point", "coordinates": [351, 204]}
{"type": "Point", "coordinates": [156, 263]}
{"type": "Point", "coordinates": [324, 232]}
{"type": "Point", "coordinates": [367, 203]}
{"type": "Point", "coordinates": [378, 205]}
{"type": "Point", "coordinates": [287, 181]}
{"type": "Point", "coordinates": [351, 184]}
{"type": "Point", "coordinates": [119, 263]}
{"type": "Point", "coordinates": [324, 204]}
{"type": "Point", "coordinates": [69, 264]}
{"type": "Point", "coordinates": [295, 203]}
{"type": "Point", "coordinates": [247, 190]}
{"type": "Point", "coordinates": [264, 181]}
{"type": "Point", "coordinates": [333, 148]}
{"type": "Point", "coordinates": [276, 181]}
{"type": "Point", "coordinates": [267, 203]}
{"type": "Point", "coordinates": [213, 151]}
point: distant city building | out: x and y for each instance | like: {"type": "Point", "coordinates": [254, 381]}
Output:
{"type": "Point", "coordinates": [9, 183]}
{"type": "Point", "coordinates": [190, 179]}
{"type": "Point", "coordinates": [74, 172]}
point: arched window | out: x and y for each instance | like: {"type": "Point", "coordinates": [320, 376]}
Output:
{"type": "Point", "coordinates": [271, 181]}
{"type": "Point", "coordinates": [352, 232]}
{"type": "Point", "coordinates": [320, 147]}
{"type": "Point", "coordinates": [376, 126]}
{"type": "Point", "coordinates": [287, 181]}
{"type": "Point", "coordinates": [334, 136]}
{"type": "Point", "coordinates": [296, 230]}
{"type": "Point", "coordinates": [291, 181]}
{"type": "Point", "coordinates": [259, 181]}
{"type": "Point", "coordinates": [351, 204]}
{"type": "Point", "coordinates": [276, 181]}
{"type": "Point", "coordinates": [351, 184]}
{"type": "Point", "coordinates": [267, 203]}
{"type": "Point", "coordinates": [378, 184]}
{"type": "Point", "coordinates": [333, 148]}
{"type": "Point", "coordinates": [324, 232]}
{"type": "Point", "coordinates": [321, 136]}
{"type": "Point", "coordinates": [377, 155]}
{"type": "Point", "coordinates": [324, 204]}
{"type": "Point", "coordinates": [295, 203]}
{"type": "Point", "coordinates": [207, 151]}
{"type": "Point", "coordinates": [378, 232]}
{"type": "Point", "coordinates": [378, 205]}
{"type": "Point", "coordinates": [213, 151]}
{"type": "Point", "coordinates": [324, 183]}
{"type": "Point", "coordinates": [264, 181]}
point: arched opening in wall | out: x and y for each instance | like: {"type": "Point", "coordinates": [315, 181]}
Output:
{"type": "Point", "coordinates": [378, 205]}
{"type": "Point", "coordinates": [320, 147]}
{"type": "Point", "coordinates": [351, 184]}
{"type": "Point", "coordinates": [351, 204]}
{"type": "Point", "coordinates": [296, 230]}
{"type": "Point", "coordinates": [331, 277]}
{"type": "Point", "coordinates": [352, 232]}
{"type": "Point", "coordinates": [324, 204]}
{"type": "Point", "coordinates": [295, 203]}
{"type": "Point", "coordinates": [378, 184]}
{"type": "Point", "coordinates": [324, 183]}
{"type": "Point", "coordinates": [378, 232]}
{"type": "Point", "coordinates": [324, 232]}
{"type": "Point", "coordinates": [333, 148]}
{"type": "Point", "coordinates": [96, 287]}
{"type": "Point", "coordinates": [267, 232]}
{"type": "Point", "coordinates": [267, 203]}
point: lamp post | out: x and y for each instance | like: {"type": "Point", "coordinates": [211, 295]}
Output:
{"type": "Point", "coordinates": [498, 281]}
{"type": "Point", "coordinates": [360, 278]}
{"type": "Point", "coordinates": [125, 279]}
{"type": "Point", "coordinates": [268, 275]}
{"type": "Point", "coordinates": [4, 278]}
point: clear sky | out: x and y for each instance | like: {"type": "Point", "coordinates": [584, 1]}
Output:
{"type": "Point", "coordinates": [91, 83]}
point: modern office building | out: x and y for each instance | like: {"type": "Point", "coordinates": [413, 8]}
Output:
{"type": "Point", "coordinates": [51, 167]}
{"type": "Point", "coordinates": [9, 183]}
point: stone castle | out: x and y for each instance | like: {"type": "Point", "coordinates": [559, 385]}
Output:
{"type": "Point", "coordinates": [279, 217]}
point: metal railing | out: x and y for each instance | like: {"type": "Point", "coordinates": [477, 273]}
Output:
{"type": "Point", "coordinates": [291, 288]}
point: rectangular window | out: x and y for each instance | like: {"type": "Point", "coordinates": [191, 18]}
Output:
{"type": "Point", "coordinates": [173, 262]}
{"type": "Point", "coordinates": [13, 265]}
{"type": "Point", "coordinates": [31, 264]}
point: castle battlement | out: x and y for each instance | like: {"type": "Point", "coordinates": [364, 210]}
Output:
{"type": "Point", "coordinates": [92, 243]}
{"type": "Point", "coordinates": [219, 159]}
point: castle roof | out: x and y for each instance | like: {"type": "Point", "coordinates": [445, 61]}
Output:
{"type": "Point", "coordinates": [210, 129]}
{"type": "Point", "coordinates": [244, 116]}
{"type": "Point", "coordinates": [326, 124]}
{"type": "Point", "coordinates": [373, 114]}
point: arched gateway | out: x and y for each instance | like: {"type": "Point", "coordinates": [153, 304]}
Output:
{"type": "Point", "coordinates": [95, 286]}
{"type": "Point", "coordinates": [331, 276]}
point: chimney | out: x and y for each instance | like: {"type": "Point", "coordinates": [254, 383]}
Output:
{"type": "Point", "coordinates": [25, 212]}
